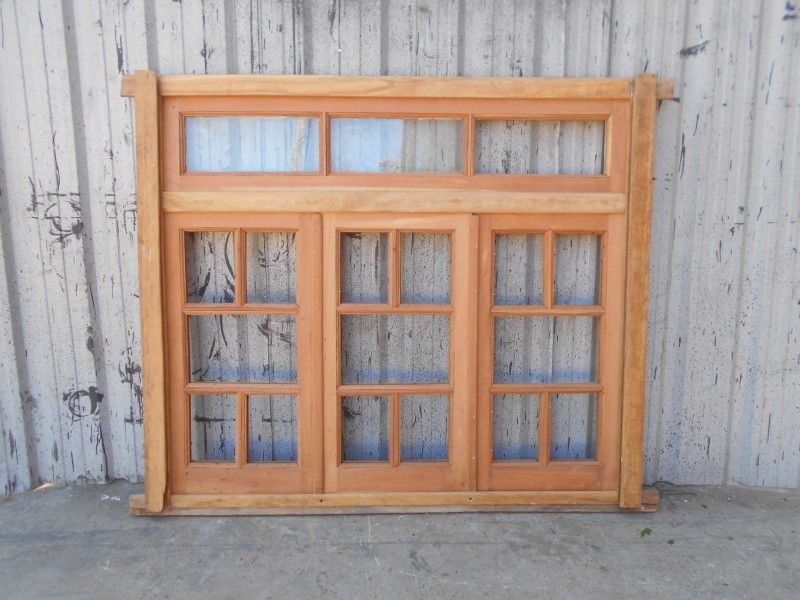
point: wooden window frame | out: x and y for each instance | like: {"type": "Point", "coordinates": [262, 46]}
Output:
{"type": "Point", "coordinates": [622, 194]}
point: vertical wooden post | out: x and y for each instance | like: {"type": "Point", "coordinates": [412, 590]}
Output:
{"type": "Point", "coordinates": [148, 206]}
{"type": "Point", "coordinates": [643, 116]}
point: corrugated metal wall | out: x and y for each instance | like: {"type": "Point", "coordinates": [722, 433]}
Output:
{"type": "Point", "coordinates": [724, 374]}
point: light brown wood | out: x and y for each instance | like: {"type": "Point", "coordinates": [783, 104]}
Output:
{"type": "Point", "coordinates": [472, 207]}
{"type": "Point", "coordinates": [665, 89]}
{"type": "Point", "coordinates": [614, 113]}
{"type": "Point", "coordinates": [282, 505]}
{"type": "Point", "coordinates": [602, 473]}
{"type": "Point", "coordinates": [636, 291]}
{"type": "Point", "coordinates": [411, 200]}
{"type": "Point", "coordinates": [393, 475]}
{"type": "Point", "coordinates": [393, 499]}
{"type": "Point", "coordinates": [150, 289]}
{"type": "Point", "coordinates": [388, 87]}
{"type": "Point", "coordinates": [240, 476]}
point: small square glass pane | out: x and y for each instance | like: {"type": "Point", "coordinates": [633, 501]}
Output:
{"type": "Point", "coordinates": [423, 427]}
{"type": "Point", "coordinates": [577, 269]}
{"type": "Point", "coordinates": [209, 266]}
{"type": "Point", "coordinates": [520, 146]}
{"type": "Point", "coordinates": [515, 427]}
{"type": "Point", "coordinates": [364, 267]}
{"type": "Point", "coordinates": [518, 268]}
{"type": "Point", "coordinates": [545, 349]}
{"type": "Point", "coordinates": [213, 428]}
{"type": "Point", "coordinates": [403, 348]}
{"type": "Point", "coordinates": [245, 348]}
{"type": "Point", "coordinates": [252, 144]}
{"type": "Point", "coordinates": [365, 428]}
{"type": "Point", "coordinates": [360, 145]}
{"type": "Point", "coordinates": [271, 267]}
{"type": "Point", "coordinates": [573, 427]}
{"type": "Point", "coordinates": [272, 429]}
{"type": "Point", "coordinates": [425, 268]}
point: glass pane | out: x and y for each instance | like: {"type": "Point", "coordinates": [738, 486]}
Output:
{"type": "Point", "coordinates": [577, 269]}
{"type": "Point", "coordinates": [365, 428]}
{"type": "Point", "coordinates": [425, 268]}
{"type": "Point", "coordinates": [515, 427]}
{"type": "Point", "coordinates": [518, 263]}
{"type": "Point", "coordinates": [209, 266]}
{"type": "Point", "coordinates": [573, 426]}
{"type": "Point", "coordinates": [272, 429]}
{"type": "Point", "coordinates": [252, 144]}
{"type": "Point", "coordinates": [545, 349]}
{"type": "Point", "coordinates": [543, 147]}
{"type": "Point", "coordinates": [213, 428]}
{"type": "Point", "coordinates": [396, 145]}
{"type": "Point", "coordinates": [395, 348]}
{"type": "Point", "coordinates": [271, 267]}
{"type": "Point", "coordinates": [243, 348]}
{"type": "Point", "coordinates": [423, 427]}
{"type": "Point", "coordinates": [364, 269]}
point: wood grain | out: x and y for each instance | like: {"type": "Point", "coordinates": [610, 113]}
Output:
{"type": "Point", "coordinates": [150, 289]}
{"type": "Point", "coordinates": [382, 199]}
{"type": "Point", "coordinates": [636, 291]}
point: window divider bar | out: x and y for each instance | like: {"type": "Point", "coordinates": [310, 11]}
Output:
{"type": "Point", "coordinates": [377, 389]}
{"type": "Point", "coordinates": [239, 276]}
{"type": "Point", "coordinates": [394, 434]}
{"type": "Point", "coordinates": [242, 401]}
{"type": "Point", "coordinates": [469, 146]}
{"type": "Point", "coordinates": [555, 311]}
{"type": "Point", "coordinates": [539, 388]}
{"type": "Point", "coordinates": [357, 309]}
{"type": "Point", "coordinates": [544, 428]}
{"type": "Point", "coordinates": [233, 387]}
{"type": "Point", "coordinates": [394, 269]}
{"type": "Point", "coordinates": [244, 309]}
{"type": "Point", "coordinates": [548, 272]}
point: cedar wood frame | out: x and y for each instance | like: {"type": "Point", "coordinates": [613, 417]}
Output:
{"type": "Point", "coordinates": [622, 194]}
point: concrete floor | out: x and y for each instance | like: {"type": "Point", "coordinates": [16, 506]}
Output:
{"type": "Point", "coordinates": [706, 542]}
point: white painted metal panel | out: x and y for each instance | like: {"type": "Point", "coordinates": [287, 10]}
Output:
{"type": "Point", "coordinates": [724, 366]}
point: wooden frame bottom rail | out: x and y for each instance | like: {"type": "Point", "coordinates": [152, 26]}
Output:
{"type": "Point", "coordinates": [397, 502]}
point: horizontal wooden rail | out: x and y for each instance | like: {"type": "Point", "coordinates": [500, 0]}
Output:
{"type": "Point", "coordinates": [395, 87]}
{"type": "Point", "coordinates": [393, 499]}
{"type": "Point", "coordinates": [341, 199]}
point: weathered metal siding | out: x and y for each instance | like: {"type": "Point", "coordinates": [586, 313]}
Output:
{"type": "Point", "coordinates": [724, 375]}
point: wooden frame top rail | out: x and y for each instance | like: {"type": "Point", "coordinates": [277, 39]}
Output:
{"type": "Point", "coordinates": [398, 87]}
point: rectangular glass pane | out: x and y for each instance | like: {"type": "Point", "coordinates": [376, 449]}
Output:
{"type": "Point", "coordinates": [252, 144]}
{"type": "Point", "coordinates": [573, 427]}
{"type": "Point", "coordinates": [395, 348]}
{"type": "Point", "coordinates": [209, 266]}
{"type": "Point", "coordinates": [254, 348]}
{"type": "Point", "coordinates": [423, 427]}
{"type": "Point", "coordinates": [365, 428]}
{"type": "Point", "coordinates": [272, 429]}
{"type": "Point", "coordinates": [515, 427]}
{"type": "Point", "coordinates": [425, 268]}
{"type": "Point", "coordinates": [364, 268]}
{"type": "Point", "coordinates": [518, 264]}
{"type": "Point", "coordinates": [396, 145]}
{"type": "Point", "coordinates": [577, 269]}
{"type": "Point", "coordinates": [213, 427]}
{"type": "Point", "coordinates": [518, 146]}
{"type": "Point", "coordinates": [545, 349]}
{"type": "Point", "coordinates": [271, 267]}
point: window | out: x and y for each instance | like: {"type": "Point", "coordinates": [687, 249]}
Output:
{"type": "Point", "coordinates": [381, 293]}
